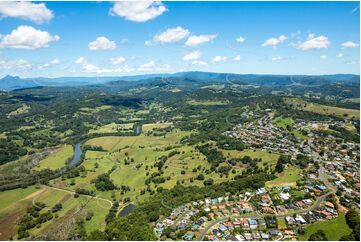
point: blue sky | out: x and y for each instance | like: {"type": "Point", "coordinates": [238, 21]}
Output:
{"type": "Point", "coordinates": [106, 39]}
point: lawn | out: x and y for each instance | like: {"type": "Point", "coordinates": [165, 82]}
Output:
{"type": "Point", "coordinates": [334, 229]}
{"type": "Point", "coordinates": [287, 178]}
{"type": "Point", "coordinates": [57, 159]}
{"type": "Point", "coordinates": [281, 223]}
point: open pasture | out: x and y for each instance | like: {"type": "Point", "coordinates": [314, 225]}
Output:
{"type": "Point", "coordinates": [57, 159]}
{"type": "Point", "coordinates": [323, 109]}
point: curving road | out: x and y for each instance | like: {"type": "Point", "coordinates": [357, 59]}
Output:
{"type": "Point", "coordinates": [319, 200]}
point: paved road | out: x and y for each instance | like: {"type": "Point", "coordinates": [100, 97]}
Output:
{"type": "Point", "coordinates": [319, 200]}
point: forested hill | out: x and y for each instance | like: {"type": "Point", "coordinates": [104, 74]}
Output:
{"type": "Point", "coordinates": [9, 83]}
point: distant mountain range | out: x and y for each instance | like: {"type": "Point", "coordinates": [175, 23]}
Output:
{"type": "Point", "coordinates": [9, 83]}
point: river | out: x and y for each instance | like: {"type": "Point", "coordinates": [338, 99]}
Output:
{"type": "Point", "coordinates": [78, 151]}
{"type": "Point", "coordinates": [77, 154]}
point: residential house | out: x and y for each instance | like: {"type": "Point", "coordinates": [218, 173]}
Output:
{"type": "Point", "coordinates": [253, 224]}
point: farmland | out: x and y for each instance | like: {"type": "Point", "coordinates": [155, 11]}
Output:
{"type": "Point", "coordinates": [57, 159]}
{"type": "Point", "coordinates": [15, 202]}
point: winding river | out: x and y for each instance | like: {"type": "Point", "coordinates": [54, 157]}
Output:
{"type": "Point", "coordinates": [77, 154]}
{"type": "Point", "coordinates": [78, 151]}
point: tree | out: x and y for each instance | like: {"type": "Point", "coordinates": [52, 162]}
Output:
{"type": "Point", "coordinates": [279, 166]}
{"type": "Point", "coordinates": [57, 207]}
{"type": "Point", "coordinates": [200, 177]}
{"type": "Point", "coordinates": [104, 183]}
{"type": "Point", "coordinates": [319, 235]}
{"type": "Point", "coordinates": [208, 182]}
{"type": "Point", "coordinates": [353, 218]}
{"type": "Point", "coordinates": [353, 221]}
{"type": "Point", "coordinates": [97, 235]}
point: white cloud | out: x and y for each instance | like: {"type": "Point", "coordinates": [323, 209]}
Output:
{"type": "Point", "coordinates": [91, 68]}
{"type": "Point", "coordinates": [171, 35]}
{"type": "Point", "coordinates": [277, 58]}
{"type": "Point", "coordinates": [274, 41]}
{"type": "Point", "coordinates": [195, 40]}
{"type": "Point", "coordinates": [80, 60]}
{"type": "Point", "coordinates": [237, 58]}
{"type": "Point", "coordinates": [147, 66]}
{"type": "Point", "coordinates": [148, 43]}
{"type": "Point", "coordinates": [36, 12]}
{"type": "Point", "coordinates": [219, 58]}
{"type": "Point", "coordinates": [87, 67]}
{"type": "Point", "coordinates": [55, 61]}
{"type": "Point", "coordinates": [313, 42]}
{"type": "Point", "coordinates": [240, 39]}
{"type": "Point", "coordinates": [151, 66]}
{"type": "Point", "coordinates": [323, 56]}
{"type": "Point", "coordinates": [340, 55]}
{"type": "Point", "coordinates": [138, 11]}
{"type": "Point", "coordinates": [102, 43]}
{"type": "Point", "coordinates": [192, 56]}
{"type": "Point", "coordinates": [26, 37]}
{"type": "Point", "coordinates": [199, 63]}
{"type": "Point", "coordinates": [15, 64]}
{"type": "Point", "coordinates": [51, 63]}
{"type": "Point", "coordinates": [117, 61]}
{"type": "Point", "coordinates": [349, 44]}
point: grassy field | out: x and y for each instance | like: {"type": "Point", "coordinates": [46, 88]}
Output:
{"type": "Point", "coordinates": [214, 87]}
{"type": "Point", "coordinates": [145, 151]}
{"type": "Point", "coordinates": [323, 109]}
{"type": "Point", "coordinates": [267, 158]}
{"type": "Point", "coordinates": [112, 128]}
{"type": "Point", "coordinates": [114, 143]}
{"type": "Point", "coordinates": [175, 90]}
{"type": "Point", "coordinates": [334, 229]}
{"type": "Point", "coordinates": [206, 102]}
{"type": "Point", "coordinates": [8, 197]}
{"type": "Point", "coordinates": [150, 127]}
{"type": "Point", "coordinates": [283, 122]}
{"type": "Point", "coordinates": [281, 223]}
{"type": "Point", "coordinates": [23, 109]}
{"type": "Point", "coordinates": [57, 159]}
{"type": "Point", "coordinates": [13, 204]}
{"type": "Point", "coordinates": [287, 178]}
